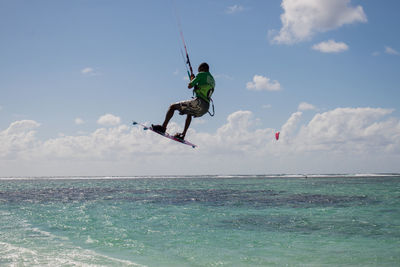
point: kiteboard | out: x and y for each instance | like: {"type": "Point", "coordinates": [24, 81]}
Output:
{"type": "Point", "coordinates": [167, 135]}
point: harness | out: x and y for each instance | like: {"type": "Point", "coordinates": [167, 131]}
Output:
{"type": "Point", "coordinates": [210, 100]}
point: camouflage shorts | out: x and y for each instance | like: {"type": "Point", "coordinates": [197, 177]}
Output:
{"type": "Point", "coordinates": [196, 107]}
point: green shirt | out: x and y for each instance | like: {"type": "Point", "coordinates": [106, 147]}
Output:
{"type": "Point", "coordinates": [203, 84]}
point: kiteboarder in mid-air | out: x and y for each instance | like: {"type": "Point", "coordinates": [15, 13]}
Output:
{"type": "Point", "coordinates": [203, 84]}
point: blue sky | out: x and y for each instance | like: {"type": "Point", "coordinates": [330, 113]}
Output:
{"type": "Point", "coordinates": [74, 74]}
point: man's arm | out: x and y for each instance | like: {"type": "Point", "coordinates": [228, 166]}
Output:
{"type": "Point", "coordinates": [190, 85]}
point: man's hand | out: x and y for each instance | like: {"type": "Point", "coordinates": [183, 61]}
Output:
{"type": "Point", "coordinates": [192, 77]}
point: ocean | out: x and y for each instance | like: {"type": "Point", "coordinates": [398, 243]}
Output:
{"type": "Point", "coordinates": [252, 220]}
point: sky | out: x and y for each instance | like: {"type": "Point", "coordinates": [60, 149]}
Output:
{"type": "Point", "coordinates": [75, 74]}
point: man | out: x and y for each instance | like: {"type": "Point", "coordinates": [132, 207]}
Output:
{"type": "Point", "coordinates": [203, 85]}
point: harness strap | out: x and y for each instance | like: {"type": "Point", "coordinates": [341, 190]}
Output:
{"type": "Point", "coordinates": [209, 97]}
{"type": "Point", "coordinates": [212, 115]}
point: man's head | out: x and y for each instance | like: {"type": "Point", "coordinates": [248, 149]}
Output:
{"type": "Point", "coordinates": [203, 67]}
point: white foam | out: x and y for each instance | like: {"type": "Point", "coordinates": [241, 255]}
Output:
{"type": "Point", "coordinates": [76, 256]}
{"type": "Point", "coordinates": [46, 249]}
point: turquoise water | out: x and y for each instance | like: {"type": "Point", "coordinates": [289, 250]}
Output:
{"type": "Point", "coordinates": [201, 221]}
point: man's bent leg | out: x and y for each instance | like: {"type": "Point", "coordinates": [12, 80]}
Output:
{"type": "Point", "coordinates": [187, 124]}
{"type": "Point", "coordinates": [169, 115]}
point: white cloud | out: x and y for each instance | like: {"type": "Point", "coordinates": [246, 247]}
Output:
{"type": "Point", "coordinates": [388, 50]}
{"type": "Point", "coordinates": [22, 126]}
{"type": "Point", "coordinates": [304, 18]}
{"type": "Point", "coordinates": [234, 9]}
{"type": "Point", "coordinates": [79, 121]}
{"type": "Point", "coordinates": [331, 47]}
{"type": "Point", "coordinates": [391, 51]}
{"type": "Point", "coordinates": [102, 144]}
{"type": "Point", "coordinates": [350, 130]}
{"type": "Point", "coordinates": [305, 106]}
{"type": "Point", "coordinates": [17, 138]}
{"type": "Point", "coordinates": [340, 140]}
{"type": "Point", "coordinates": [291, 125]}
{"type": "Point", "coordinates": [267, 106]}
{"type": "Point", "coordinates": [109, 120]}
{"type": "Point", "coordinates": [89, 71]}
{"type": "Point", "coordinates": [237, 136]}
{"type": "Point", "coordinates": [261, 83]}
